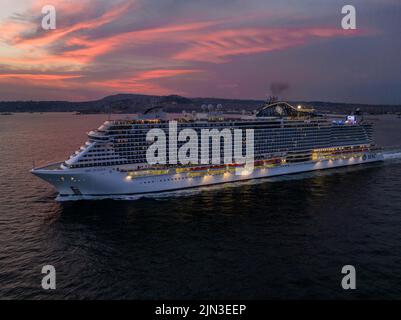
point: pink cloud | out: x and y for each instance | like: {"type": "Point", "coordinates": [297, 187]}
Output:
{"type": "Point", "coordinates": [31, 76]}
{"type": "Point", "coordinates": [39, 58]}
{"type": "Point", "coordinates": [69, 8]}
{"type": "Point", "coordinates": [219, 46]}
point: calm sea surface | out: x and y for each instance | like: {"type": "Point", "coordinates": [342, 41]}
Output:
{"type": "Point", "coordinates": [285, 237]}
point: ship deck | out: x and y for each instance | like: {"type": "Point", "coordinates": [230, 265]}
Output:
{"type": "Point", "coordinates": [52, 166]}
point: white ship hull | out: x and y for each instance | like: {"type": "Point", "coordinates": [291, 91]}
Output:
{"type": "Point", "coordinates": [89, 183]}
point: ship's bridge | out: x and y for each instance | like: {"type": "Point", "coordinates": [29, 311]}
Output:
{"type": "Point", "coordinates": [284, 109]}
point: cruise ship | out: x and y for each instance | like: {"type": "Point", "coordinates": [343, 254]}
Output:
{"type": "Point", "coordinates": [287, 140]}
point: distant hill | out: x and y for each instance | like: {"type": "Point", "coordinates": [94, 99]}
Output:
{"type": "Point", "coordinates": [136, 103]}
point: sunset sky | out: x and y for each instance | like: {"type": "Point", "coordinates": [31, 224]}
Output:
{"type": "Point", "coordinates": [201, 48]}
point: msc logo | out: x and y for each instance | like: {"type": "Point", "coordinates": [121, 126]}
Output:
{"type": "Point", "coordinates": [369, 156]}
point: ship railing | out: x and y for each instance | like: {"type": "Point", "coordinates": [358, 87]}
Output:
{"type": "Point", "coordinates": [192, 170]}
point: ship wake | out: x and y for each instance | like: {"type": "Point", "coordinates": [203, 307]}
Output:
{"type": "Point", "coordinates": [391, 155]}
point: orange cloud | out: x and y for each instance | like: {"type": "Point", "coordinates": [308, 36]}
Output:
{"type": "Point", "coordinates": [37, 76]}
{"type": "Point", "coordinates": [35, 48]}
{"type": "Point", "coordinates": [39, 80]}
{"type": "Point", "coordinates": [162, 73]}
{"type": "Point", "coordinates": [141, 82]}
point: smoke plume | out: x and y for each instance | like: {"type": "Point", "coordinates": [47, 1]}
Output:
{"type": "Point", "coordinates": [276, 88]}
